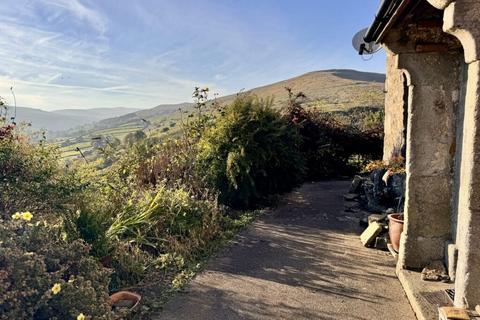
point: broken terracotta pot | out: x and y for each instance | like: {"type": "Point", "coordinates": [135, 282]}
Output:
{"type": "Point", "coordinates": [395, 229]}
{"type": "Point", "coordinates": [125, 299]}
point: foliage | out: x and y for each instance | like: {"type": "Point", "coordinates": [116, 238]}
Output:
{"type": "Point", "coordinates": [44, 277]}
{"type": "Point", "coordinates": [134, 137]}
{"type": "Point", "coordinates": [374, 120]}
{"type": "Point", "coordinates": [327, 144]}
{"type": "Point", "coordinates": [171, 162]}
{"type": "Point", "coordinates": [362, 118]}
{"type": "Point", "coordinates": [152, 205]}
{"type": "Point", "coordinates": [395, 165]}
{"type": "Point", "coordinates": [140, 222]}
{"type": "Point", "coordinates": [250, 152]}
{"type": "Point", "coordinates": [30, 175]}
{"type": "Point", "coordinates": [92, 228]}
{"type": "Point", "coordinates": [164, 218]}
{"type": "Point", "coordinates": [194, 129]}
{"type": "Point", "coordinates": [130, 264]}
{"type": "Point", "coordinates": [149, 203]}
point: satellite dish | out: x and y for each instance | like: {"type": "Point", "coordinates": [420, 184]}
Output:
{"type": "Point", "coordinates": [363, 47]}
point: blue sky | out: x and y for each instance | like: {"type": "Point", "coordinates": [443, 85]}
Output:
{"type": "Point", "coordinates": [141, 53]}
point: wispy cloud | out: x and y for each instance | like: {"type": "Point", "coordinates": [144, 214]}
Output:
{"type": "Point", "coordinates": [79, 11]}
{"type": "Point", "coordinates": [57, 63]}
{"type": "Point", "coordinates": [52, 68]}
{"type": "Point", "coordinates": [140, 53]}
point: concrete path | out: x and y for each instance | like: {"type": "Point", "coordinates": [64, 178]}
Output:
{"type": "Point", "coordinates": [304, 260]}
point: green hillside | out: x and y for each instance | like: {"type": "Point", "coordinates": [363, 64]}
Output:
{"type": "Point", "coordinates": [329, 90]}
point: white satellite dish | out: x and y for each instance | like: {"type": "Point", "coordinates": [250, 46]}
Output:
{"type": "Point", "coordinates": [363, 47]}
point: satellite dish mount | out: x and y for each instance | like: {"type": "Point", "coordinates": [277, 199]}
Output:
{"type": "Point", "coordinates": [363, 47]}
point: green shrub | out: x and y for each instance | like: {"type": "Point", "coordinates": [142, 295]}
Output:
{"type": "Point", "coordinates": [92, 227]}
{"type": "Point", "coordinates": [130, 264]}
{"type": "Point", "coordinates": [134, 137]}
{"type": "Point", "coordinates": [374, 120]}
{"type": "Point", "coordinates": [250, 153]}
{"type": "Point", "coordinates": [155, 222]}
{"type": "Point", "coordinates": [328, 145]}
{"type": "Point", "coordinates": [31, 177]}
{"type": "Point", "coordinates": [44, 277]}
{"type": "Point", "coordinates": [146, 204]}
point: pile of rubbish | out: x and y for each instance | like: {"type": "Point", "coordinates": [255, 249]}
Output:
{"type": "Point", "coordinates": [380, 190]}
{"type": "Point", "coordinates": [377, 200]}
{"type": "Point", "coordinates": [373, 198]}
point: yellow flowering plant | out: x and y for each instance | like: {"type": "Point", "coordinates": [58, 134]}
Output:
{"type": "Point", "coordinates": [26, 216]}
{"type": "Point", "coordinates": [35, 262]}
{"type": "Point", "coordinates": [16, 216]}
{"type": "Point", "coordinates": [57, 287]}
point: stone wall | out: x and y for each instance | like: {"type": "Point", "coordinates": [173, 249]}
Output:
{"type": "Point", "coordinates": [461, 19]}
{"type": "Point", "coordinates": [443, 135]}
{"type": "Point", "coordinates": [394, 141]}
{"type": "Point", "coordinates": [468, 234]}
{"type": "Point", "coordinates": [433, 103]}
{"type": "Point", "coordinates": [460, 115]}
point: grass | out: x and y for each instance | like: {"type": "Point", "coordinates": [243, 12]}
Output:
{"type": "Point", "coordinates": [70, 152]}
{"type": "Point", "coordinates": [84, 142]}
{"type": "Point", "coordinates": [82, 145]}
{"type": "Point", "coordinates": [117, 131]}
{"type": "Point", "coordinates": [358, 96]}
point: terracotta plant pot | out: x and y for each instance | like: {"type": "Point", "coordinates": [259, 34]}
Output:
{"type": "Point", "coordinates": [395, 229]}
{"type": "Point", "coordinates": [125, 299]}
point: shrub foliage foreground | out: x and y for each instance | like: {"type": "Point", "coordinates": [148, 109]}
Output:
{"type": "Point", "coordinates": [251, 152]}
{"type": "Point", "coordinates": [43, 276]}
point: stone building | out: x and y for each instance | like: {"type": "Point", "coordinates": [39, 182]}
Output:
{"type": "Point", "coordinates": [432, 118]}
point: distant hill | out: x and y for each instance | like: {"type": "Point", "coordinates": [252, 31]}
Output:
{"type": "Point", "coordinates": [66, 119]}
{"type": "Point", "coordinates": [329, 90]}
{"type": "Point", "coordinates": [139, 117]}
{"type": "Point", "coordinates": [339, 91]}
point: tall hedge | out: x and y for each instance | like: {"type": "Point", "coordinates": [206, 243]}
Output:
{"type": "Point", "coordinates": [250, 152]}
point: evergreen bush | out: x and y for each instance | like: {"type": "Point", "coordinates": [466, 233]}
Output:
{"type": "Point", "coordinates": [250, 152]}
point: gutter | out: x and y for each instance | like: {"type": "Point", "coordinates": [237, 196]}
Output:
{"type": "Point", "coordinates": [385, 13]}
